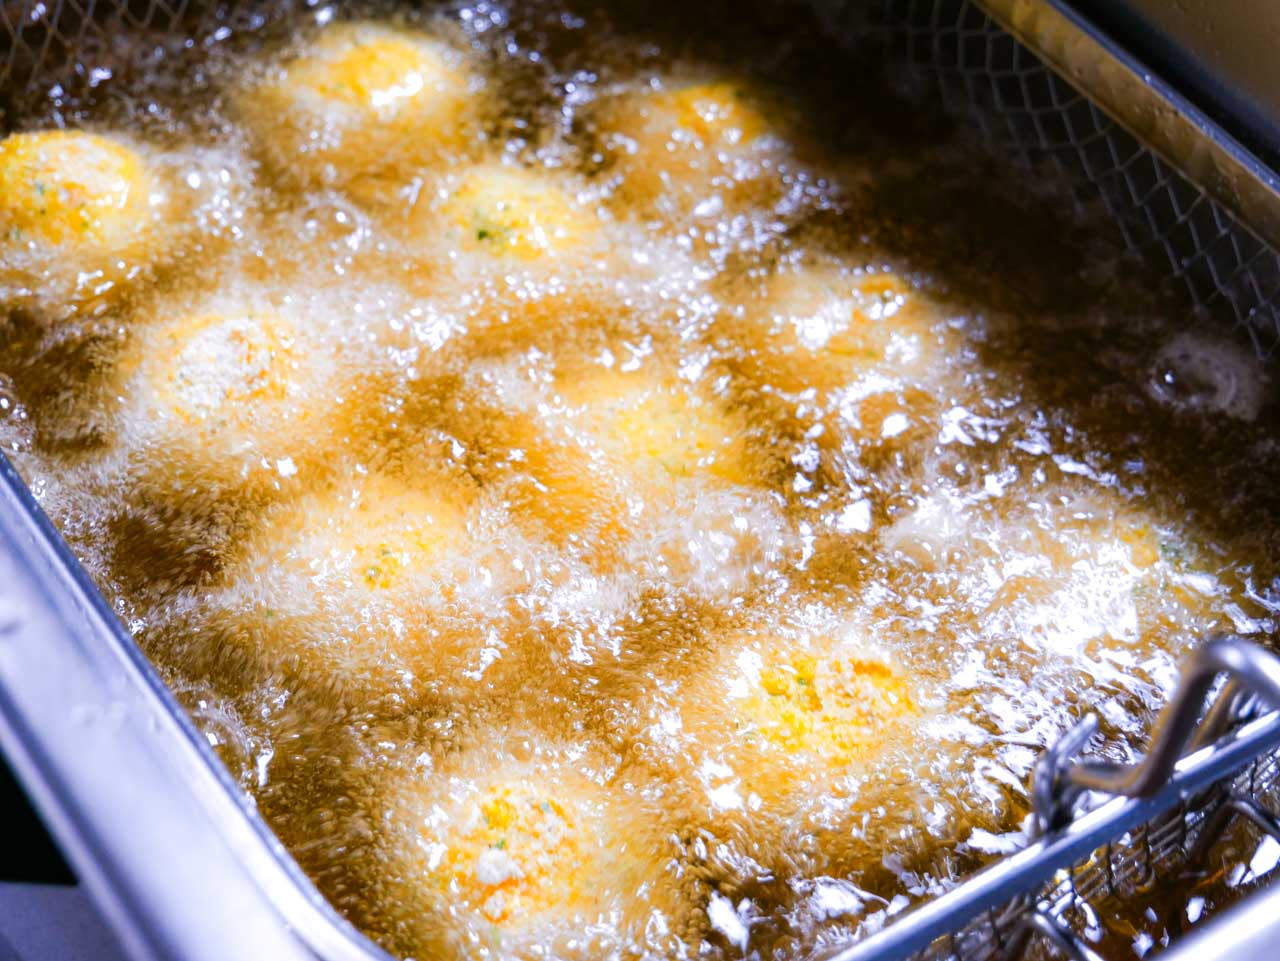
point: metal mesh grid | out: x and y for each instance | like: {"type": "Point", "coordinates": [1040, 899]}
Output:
{"type": "Point", "coordinates": [947, 49]}
{"type": "Point", "coordinates": [54, 51]}
{"type": "Point", "coordinates": [951, 50]}
{"type": "Point", "coordinates": [1107, 894]}
{"type": "Point", "coordinates": [1017, 106]}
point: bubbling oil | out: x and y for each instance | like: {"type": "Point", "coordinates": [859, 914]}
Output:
{"type": "Point", "coordinates": [637, 485]}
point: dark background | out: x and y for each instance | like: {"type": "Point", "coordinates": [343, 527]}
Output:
{"type": "Point", "coordinates": [35, 858]}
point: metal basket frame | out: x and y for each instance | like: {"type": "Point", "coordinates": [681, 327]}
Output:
{"type": "Point", "coordinates": [1139, 822]}
{"type": "Point", "coordinates": [1022, 108]}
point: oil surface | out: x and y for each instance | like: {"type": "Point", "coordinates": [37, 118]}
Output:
{"type": "Point", "coordinates": [619, 482]}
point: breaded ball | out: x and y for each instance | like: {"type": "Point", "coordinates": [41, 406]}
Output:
{"type": "Point", "coordinates": [211, 370]}
{"type": "Point", "coordinates": [683, 502]}
{"type": "Point", "coordinates": [1065, 568]}
{"type": "Point", "coordinates": [677, 144]}
{"type": "Point", "coordinates": [1059, 526]}
{"type": "Point", "coordinates": [230, 397]}
{"type": "Point", "coordinates": [514, 212]}
{"type": "Point", "coordinates": [74, 203]}
{"type": "Point", "coordinates": [64, 187]}
{"type": "Point", "coordinates": [522, 848]}
{"type": "Point", "coordinates": [772, 730]}
{"type": "Point", "coordinates": [825, 326]}
{"type": "Point", "coordinates": [831, 705]}
{"type": "Point", "coordinates": [807, 709]}
{"type": "Point", "coordinates": [658, 427]}
{"type": "Point", "coordinates": [367, 536]}
{"type": "Point", "coordinates": [771, 721]}
{"type": "Point", "coordinates": [506, 858]}
{"type": "Point", "coordinates": [369, 586]}
{"type": "Point", "coordinates": [365, 99]}
{"type": "Point", "coordinates": [716, 114]}
{"type": "Point", "coordinates": [1087, 567]}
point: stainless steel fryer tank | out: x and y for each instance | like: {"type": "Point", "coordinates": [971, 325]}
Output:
{"type": "Point", "coordinates": [102, 746]}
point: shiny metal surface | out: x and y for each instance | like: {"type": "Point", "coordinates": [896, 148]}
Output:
{"type": "Point", "coordinates": [1248, 665]}
{"type": "Point", "coordinates": [1158, 114]}
{"type": "Point", "coordinates": [167, 845]}
{"type": "Point", "coordinates": [1248, 932]}
{"type": "Point", "coordinates": [1158, 794]}
{"type": "Point", "coordinates": [1220, 53]}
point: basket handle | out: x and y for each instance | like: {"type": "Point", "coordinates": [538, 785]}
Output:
{"type": "Point", "coordinates": [1254, 676]}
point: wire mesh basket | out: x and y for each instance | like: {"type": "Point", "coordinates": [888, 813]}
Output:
{"type": "Point", "coordinates": [1071, 902]}
{"type": "Point", "coordinates": [1118, 846]}
{"type": "Point", "coordinates": [61, 51]}
{"type": "Point", "coordinates": [1023, 110]}
{"type": "Point", "coordinates": [1099, 854]}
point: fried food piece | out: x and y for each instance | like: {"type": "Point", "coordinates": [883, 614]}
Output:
{"type": "Point", "coordinates": [363, 588]}
{"type": "Point", "coordinates": [834, 707]}
{"type": "Point", "coordinates": [658, 428]}
{"type": "Point", "coordinates": [514, 212]}
{"type": "Point", "coordinates": [63, 188]}
{"type": "Point", "coordinates": [230, 399]}
{"type": "Point", "coordinates": [682, 143]}
{"type": "Point", "coordinates": [824, 326]}
{"type": "Point", "coordinates": [210, 370]}
{"type": "Point", "coordinates": [667, 480]}
{"type": "Point", "coordinates": [365, 100]}
{"type": "Point", "coordinates": [523, 848]}
{"type": "Point", "coordinates": [769, 721]}
{"type": "Point", "coordinates": [367, 537]}
{"type": "Point", "coordinates": [808, 709]}
{"type": "Point", "coordinates": [520, 857]}
{"type": "Point", "coordinates": [75, 206]}
{"type": "Point", "coordinates": [773, 714]}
